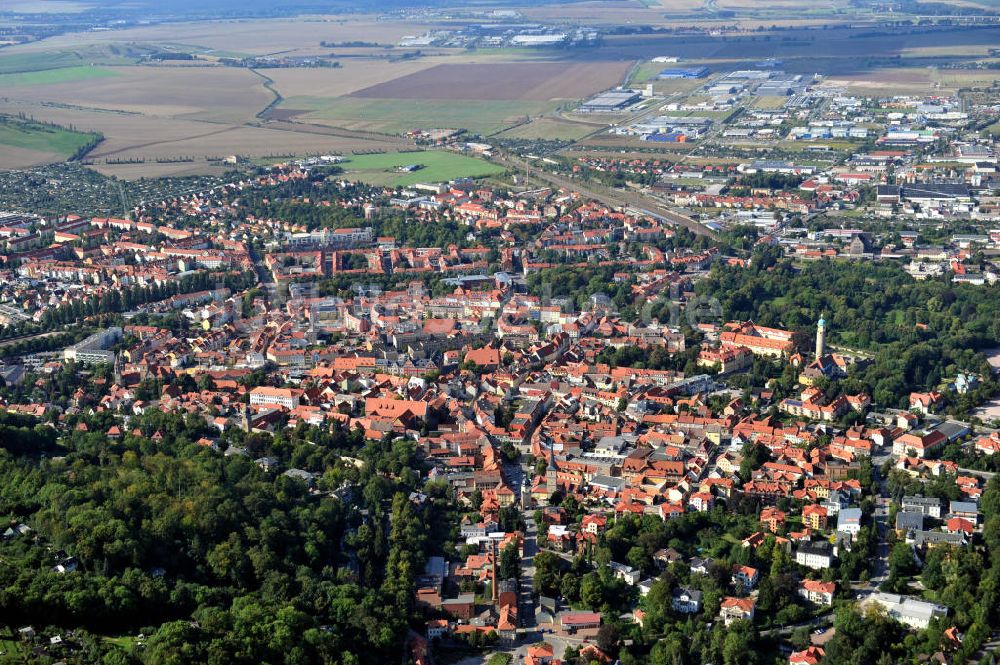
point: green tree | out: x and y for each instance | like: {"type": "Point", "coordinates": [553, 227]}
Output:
{"type": "Point", "coordinates": [592, 591]}
{"type": "Point", "coordinates": [510, 562]}
{"type": "Point", "coordinates": [547, 574]}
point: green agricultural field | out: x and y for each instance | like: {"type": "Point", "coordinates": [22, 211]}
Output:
{"type": "Point", "coordinates": [435, 166]}
{"type": "Point", "coordinates": [550, 128]}
{"type": "Point", "coordinates": [396, 116]}
{"type": "Point", "coordinates": [83, 56]}
{"type": "Point", "coordinates": [49, 76]}
{"type": "Point", "coordinates": [33, 62]}
{"type": "Point", "coordinates": [40, 137]}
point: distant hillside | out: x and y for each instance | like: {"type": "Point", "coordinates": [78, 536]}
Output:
{"type": "Point", "coordinates": [159, 8]}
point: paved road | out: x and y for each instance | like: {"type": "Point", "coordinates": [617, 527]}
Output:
{"type": "Point", "coordinates": [527, 580]}
{"type": "Point", "coordinates": [785, 631]}
{"type": "Point", "coordinates": [264, 278]}
{"type": "Point", "coordinates": [985, 475]}
{"type": "Point", "coordinates": [880, 567]}
{"type": "Point", "coordinates": [515, 475]}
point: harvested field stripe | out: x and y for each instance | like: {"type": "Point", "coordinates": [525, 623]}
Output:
{"type": "Point", "coordinates": [52, 76]}
{"type": "Point", "coordinates": [152, 143]}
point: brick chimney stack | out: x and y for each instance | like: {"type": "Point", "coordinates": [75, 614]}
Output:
{"type": "Point", "coordinates": [496, 592]}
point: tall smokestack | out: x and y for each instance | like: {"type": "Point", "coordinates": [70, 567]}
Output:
{"type": "Point", "coordinates": [496, 594]}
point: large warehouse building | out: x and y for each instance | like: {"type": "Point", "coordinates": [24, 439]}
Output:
{"type": "Point", "coordinates": [610, 101]}
{"type": "Point", "coordinates": [684, 73]}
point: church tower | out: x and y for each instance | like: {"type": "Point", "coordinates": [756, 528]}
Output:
{"type": "Point", "coordinates": [820, 338]}
{"type": "Point", "coordinates": [245, 419]}
{"type": "Point", "coordinates": [311, 331]}
{"type": "Point", "coordinates": [119, 368]}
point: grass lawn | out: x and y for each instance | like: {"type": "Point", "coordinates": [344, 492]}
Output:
{"type": "Point", "coordinates": [124, 642]}
{"type": "Point", "coordinates": [499, 658]}
{"type": "Point", "coordinates": [29, 135]}
{"type": "Point", "coordinates": [10, 649]}
{"type": "Point", "coordinates": [10, 645]}
{"type": "Point", "coordinates": [48, 76]}
{"type": "Point", "coordinates": [550, 128]}
{"type": "Point", "coordinates": [769, 103]}
{"type": "Point", "coordinates": [396, 116]}
{"type": "Point", "coordinates": [436, 166]}
{"type": "Point", "coordinates": [646, 72]}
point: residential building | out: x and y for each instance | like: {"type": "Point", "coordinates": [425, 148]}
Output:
{"type": "Point", "coordinates": [927, 506]}
{"type": "Point", "coordinates": [686, 601]}
{"type": "Point", "coordinates": [849, 521]}
{"type": "Point", "coordinates": [818, 592]}
{"type": "Point", "coordinates": [908, 521]}
{"type": "Point", "coordinates": [965, 509]}
{"type": "Point", "coordinates": [814, 516]}
{"type": "Point", "coordinates": [918, 444]}
{"type": "Point", "coordinates": [626, 573]}
{"type": "Point", "coordinates": [286, 398]}
{"type": "Point", "coordinates": [736, 609]}
{"type": "Point", "coordinates": [811, 655]}
{"type": "Point", "coordinates": [817, 555]}
{"type": "Point", "coordinates": [762, 341]}
{"type": "Point", "coordinates": [745, 577]}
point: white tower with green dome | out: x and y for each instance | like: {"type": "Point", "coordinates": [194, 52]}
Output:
{"type": "Point", "coordinates": [820, 338]}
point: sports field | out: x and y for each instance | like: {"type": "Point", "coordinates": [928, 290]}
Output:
{"type": "Point", "coordinates": [435, 166]}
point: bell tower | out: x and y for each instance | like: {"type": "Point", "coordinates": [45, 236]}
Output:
{"type": "Point", "coordinates": [550, 474]}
